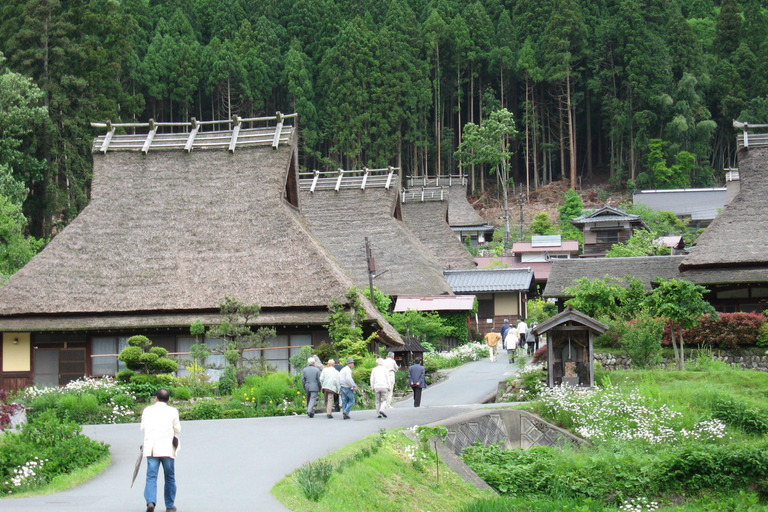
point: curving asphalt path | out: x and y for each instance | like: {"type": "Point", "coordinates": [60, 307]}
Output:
{"type": "Point", "coordinates": [233, 464]}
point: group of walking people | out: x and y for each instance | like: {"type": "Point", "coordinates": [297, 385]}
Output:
{"type": "Point", "coordinates": [336, 381]}
{"type": "Point", "coordinates": [511, 338]}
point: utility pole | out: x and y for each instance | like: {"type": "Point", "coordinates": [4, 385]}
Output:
{"type": "Point", "coordinates": [371, 268]}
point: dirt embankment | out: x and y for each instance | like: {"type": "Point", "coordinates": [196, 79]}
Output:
{"type": "Point", "coordinates": [544, 199]}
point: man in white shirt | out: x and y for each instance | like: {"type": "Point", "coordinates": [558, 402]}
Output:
{"type": "Point", "coordinates": [380, 384]}
{"type": "Point", "coordinates": [160, 424]}
{"type": "Point", "coordinates": [348, 388]}
{"type": "Point", "coordinates": [522, 330]}
{"type": "Point", "coordinates": [391, 365]}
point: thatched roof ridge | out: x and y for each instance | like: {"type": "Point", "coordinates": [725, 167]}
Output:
{"type": "Point", "coordinates": [342, 220]}
{"type": "Point", "coordinates": [460, 212]}
{"type": "Point", "coordinates": [175, 231]}
{"type": "Point", "coordinates": [738, 236]}
{"type": "Point", "coordinates": [564, 273]}
{"type": "Point", "coordinates": [428, 220]}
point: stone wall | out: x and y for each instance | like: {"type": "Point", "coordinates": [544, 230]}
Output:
{"type": "Point", "coordinates": [510, 427]}
{"type": "Point", "coordinates": [741, 359]}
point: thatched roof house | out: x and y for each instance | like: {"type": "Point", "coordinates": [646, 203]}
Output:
{"type": "Point", "coordinates": [564, 273]}
{"type": "Point", "coordinates": [730, 257]}
{"type": "Point", "coordinates": [344, 209]}
{"type": "Point", "coordinates": [605, 227]}
{"type": "Point", "coordinates": [425, 213]}
{"type": "Point", "coordinates": [462, 216]}
{"type": "Point", "coordinates": [168, 235]}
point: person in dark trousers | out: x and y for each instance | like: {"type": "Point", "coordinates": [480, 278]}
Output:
{"type": "Point", "coordinates": [310, 379]}
{"type": "Point", "coordinates": [160, 424]}
{"type": "Point", "coordinates": [417, 380]}
{"type": "Point", "coordinates": [504, 329]}
{"type": "Point", "coordinates": [337, 398]}
{"type": "Point", "coordinates": [532, 340]}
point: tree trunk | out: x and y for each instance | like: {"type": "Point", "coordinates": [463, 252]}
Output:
{"type": "Point", "coordinates": [588, 113]}
{"type": "Point", "coordinates": [682, 350]}
{"type": "Point", "coordinates": [674, 346]}
{"type": "Point", "coordinates": [571, 130]}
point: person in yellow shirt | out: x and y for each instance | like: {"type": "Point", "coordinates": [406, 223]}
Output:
{"type": "Point", "coordinates": [492, 339]}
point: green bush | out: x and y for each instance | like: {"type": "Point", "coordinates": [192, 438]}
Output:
{"type": "Point", "coordinates": [182, 393]}
{"type": "Point", "coordinates": [737, 413]}
{"type": "Point", "coordinates": [642, 341]}
{"type": "Point", "coordinates": [124, 400]}
{"type": "Point", "coordinates": [79, 408]}
{"type": "Point", "coordinates": [124, 376]}
{"type": "Point", "coordinates": [207, 410]}
{"type": "Point", "coordinates": [362, 375]}
{"type": "Point", "coordinates": [430, 366]}
{"type": "Point", "coordinates": [50, 447]}
{"type": "Point", "coordinates": [228, 380]}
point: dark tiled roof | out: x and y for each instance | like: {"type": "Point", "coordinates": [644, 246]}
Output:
{"type": "Point", "coordinates": [490, 280]}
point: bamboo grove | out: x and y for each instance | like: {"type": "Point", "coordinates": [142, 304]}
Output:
{"type": "Point", "coordinates": [641, 92]}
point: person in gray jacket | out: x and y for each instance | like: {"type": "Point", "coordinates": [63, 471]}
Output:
{"type": "Point", "coordinates": [310, 379]}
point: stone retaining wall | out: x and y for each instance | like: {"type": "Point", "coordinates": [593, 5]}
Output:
{"type": "Point", "coordinates": [746, 361]}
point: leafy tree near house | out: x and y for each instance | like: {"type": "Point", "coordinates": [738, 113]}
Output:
{"type": "Point", "coordinates": [141, 357]}
{"type": "Point", "coordinates": [237, 334]}
{"type": "Point", "coordinates": [606, 298]}
{"type": "Point", "coordinates": [682, 304]}
{"type": "Point", "coordinates": [642, 243]}
{"type": "Point", "coordinates": [345, 328]}
{"type": "Point", "coordinates": [541, 225]}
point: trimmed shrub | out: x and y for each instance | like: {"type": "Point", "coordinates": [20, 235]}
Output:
{"type": "Point", "coordinates": [182, 393]}
{"type": "Point", "coordinates": [727, 331]}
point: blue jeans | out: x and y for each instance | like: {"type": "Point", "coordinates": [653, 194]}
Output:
{"type": "Point", "coordinates": [347, 399]}
{"type": "Point", "coordinates": [150, 489]}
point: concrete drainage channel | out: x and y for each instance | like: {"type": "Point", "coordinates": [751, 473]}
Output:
{"type": "Point", "coordinates": [511, 428]}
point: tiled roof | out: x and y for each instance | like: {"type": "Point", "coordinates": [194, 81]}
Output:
{"type": "Point", "coordinates": [490, 280]}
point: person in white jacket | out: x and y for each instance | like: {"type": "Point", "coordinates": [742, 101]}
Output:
{"type": "Point", "coordinates": [329, 383]}
{"type": "Point", "coordinates": [391, 365]}
{"type": "Point", "coordinates": [380, 385]}
{"type": "Point", "coordinates": [160, 424]}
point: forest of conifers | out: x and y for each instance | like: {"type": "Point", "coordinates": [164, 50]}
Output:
{"type": "Point", "coordinates": [642, 92]}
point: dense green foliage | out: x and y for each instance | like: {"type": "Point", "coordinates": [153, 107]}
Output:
{"type": "Point", "coordinates": [46, 447]}
{"type": "Point", "coordinates": [642, 92]}
{"type": "Point", "coordinates": [685, 438]}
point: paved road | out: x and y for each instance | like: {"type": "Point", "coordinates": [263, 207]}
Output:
{"type": "Point", "coordinates": [232, 464]}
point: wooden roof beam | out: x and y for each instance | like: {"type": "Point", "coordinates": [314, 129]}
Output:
{"type": "Point", "coordinates": [107, 137]}
{"type": "Point", "coordinates": [235, 132]}
{"type": "Point", "coordinates": [192, 135]}
{"type": "Point", "coordinates": [150, 136]}
{"type": "Point", "coordinates": [278, 130]}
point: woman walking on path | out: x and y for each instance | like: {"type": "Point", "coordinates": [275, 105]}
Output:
{"type": "Point", "coordinates": [511, 342]}
{"type": "Point", "coordinates": [417, 381]}
{"type": "Point", "coordinates": [329, 383]}
{"type": "Point", "coordinates": [380, 386]}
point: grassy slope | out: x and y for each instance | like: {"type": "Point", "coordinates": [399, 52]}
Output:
{"type": "Point", "coordinates": [387, 482]}
{"type": "Point", "coordinates": [67, 481]}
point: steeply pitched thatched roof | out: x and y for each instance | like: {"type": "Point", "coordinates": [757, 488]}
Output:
{"type": "Point", "coordinates": [428, 220]}
{"type": "Point", "coordinates": [564, 273]}
{"type": "Point", "coordinates": [738, 236]}
{"type": "Point", "coordinates": [342, 219]}
{"type": "Point", "coordinates": [460, 212]}
{"type": "Point", "coordinates": [169, 233]}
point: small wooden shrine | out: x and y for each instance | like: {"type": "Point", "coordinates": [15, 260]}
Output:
{"type": "Point", "coordinates": [570, 354]}
{"type": "Point", "coordinates": [406, 354]}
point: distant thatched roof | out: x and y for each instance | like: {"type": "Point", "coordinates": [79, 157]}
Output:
{"type": "Point", "coordinates": [342, 219]}
{"type": "Point", "coordinates": [738, 236]}
{"type": "Point", "coordinates": [564, 273]}
{"type": "Point", "coordinates": [460, 212]}
{"type": "Point", "coordinates": [428, 220]}
{"type": "Point", "coordinates": [172, 233]}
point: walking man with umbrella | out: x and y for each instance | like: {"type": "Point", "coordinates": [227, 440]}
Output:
{"type": "Point", "coordinates": [160, 424]}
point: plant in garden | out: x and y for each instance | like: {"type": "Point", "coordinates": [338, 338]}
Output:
{"type": "Point", "coordinates": [610, 415]}
{"type": "Point", "coordinates": [427, 326]}
{"type": "Point", "coordinates": [642, 341]}
{"type": "Point", "coordinates": [140, 356]}
{"type": "Point", "coordinates": [313, 479]}
{"type": "Point", "coordinates": [458, 356]}
{"type": "Point", "coordinates": [345, 328]}
{"type": "Point", "coordinates": [7, 411]}
{"type": "Point", "coordinates": [682, 304]}
{"type": "Point", "coordinates": [238, 337]}
{"type": "Point", "coordinates": [540, 310]}
{"type": "Point", "coordinates": [45, 447]}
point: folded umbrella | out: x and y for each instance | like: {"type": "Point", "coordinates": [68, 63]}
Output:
{"type": "Point", "coordinates": [138, 464]}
